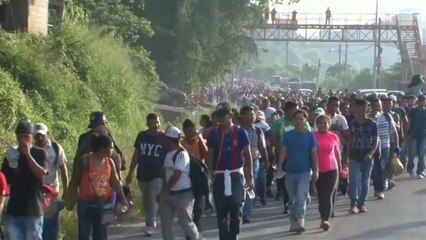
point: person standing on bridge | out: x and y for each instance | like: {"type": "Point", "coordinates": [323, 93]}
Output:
{"type": "Point", "coordinates": [362, 145]}
{"type": "Point", "coordinates": [293, 17]}
{"type": "Point", "coordinates": [327, 16]}
{"type": "Point", "coordinates": [149, 158]}
{"type": "Point", "coordinates": [273, 16]}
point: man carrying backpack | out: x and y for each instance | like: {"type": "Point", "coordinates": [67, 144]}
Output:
{"type": "Point", "coordinates": [194, 144]}
{"type": "Point", "coordinates": [388, 139]}
{"type": "Point", "coordinates": [229, 158]}
{"type": "Point", "coordinates": [176, 196]}
{"type": "Point", "coordinates": [56, 162]}
{"type": "Point", "coordinates": [258, 152]}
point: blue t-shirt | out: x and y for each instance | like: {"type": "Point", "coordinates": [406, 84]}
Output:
{"type": "Point", "coordinates": [151, 156]}
{"type": "Point", "coordinates": [418, 123]}
{"type": "Point", "coordinates": [226, 149]}
{"type": "Point", "coordinates": [299, 146]}
{"type": "Point", "coordinates": [362, 138]}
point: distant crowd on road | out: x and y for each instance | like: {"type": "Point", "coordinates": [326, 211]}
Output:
{"type": "Point", "coordinates": [307, 144]}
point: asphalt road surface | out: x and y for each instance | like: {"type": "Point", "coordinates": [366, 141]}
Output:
{"type": "Point", "coordinates": [401, 215]}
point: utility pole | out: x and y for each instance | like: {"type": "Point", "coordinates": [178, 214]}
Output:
{"type": "Point", "coordinates": [346, 65]}
{"type": "Point", "coordinates": [379, 55]}
{"type": "Point", "coordinates": [340, 64]}
{"type": "Point", "coordinates": [318, 70]}
{"type": "Point", "coordinates": [375, 43]}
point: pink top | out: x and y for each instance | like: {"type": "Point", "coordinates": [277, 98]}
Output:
{"type": "Point", "coordinates": [327, 146]}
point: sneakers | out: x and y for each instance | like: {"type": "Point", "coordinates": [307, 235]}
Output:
{"type": "Point", "coordinates": [246, 220]}
{"type": "Point", "coordinates": [380, 195]}
{"type": "Point", "coordinates": [391, 185]}
{"type": "Point", "coordinates": [297, 226]}
{"type": "Point", "coordinates": [325, 225]}
{"type": "Point", "coordinates": [412, 174]}
{"type": "Point", "coordinates": [286, 210]}
{"type": "Point", "coordinates": [149, 231]}
{"type": "Point", "coordinates": [363, 209]}
{"type": "Point", "coordinates": [421, 175]}
{"type": "Point", "coordinates": [354, 210]}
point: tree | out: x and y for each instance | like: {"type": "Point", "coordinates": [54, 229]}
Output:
{"type": "Point", "coordinates": [364, 79]}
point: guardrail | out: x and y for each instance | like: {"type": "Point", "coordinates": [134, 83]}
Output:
{"type": "Point", "coordinates": [342, 19]}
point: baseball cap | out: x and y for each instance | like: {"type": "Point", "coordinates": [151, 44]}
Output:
{"type": "Point", "coordinates": [319, 111]}
{"type": "Point", "coordinates": [24, 128]}
{"type": "Point", "coordinates": [41, 128]}
{"type": "Point", "coordinates": [172, 132]}
{"type": "Point", "coordinates": [223, 108]}
{"type": "Point", "coordinates": [97, 118]}
{"type": "Point", "coordinates": [269, 112]}
{"type": "Point", "coordinates": [260, 115]}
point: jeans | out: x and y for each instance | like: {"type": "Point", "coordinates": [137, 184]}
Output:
{"type": "Point", "coordinates": [297, 185]}
{"type": "Point", "coordinates": [89, 221]}
{"type": "Point", "coordinates": [261, 182]}
{"type": "Point", "coordinates": [248, 204]}
{"type": "Point", "coordinates": [229, 208]}
{"type": "Point", "coordinates": [359, 178]}
{"type": "Point", "coordinates": [417, 148]}
{"type": "Point", "coordinates": [26, 228]}
{"type": "Point", "coordinates": [198, 211]}
{"type": "Point", "coordinates": [149, 191]}
{"type": "Point", "coordinates": [51, 227]}
{"type": "Point", "coordinates": [380, 170]}
{"type": "Point", "coordinates": [405, 153]}
{"type": "Point", "coordinates": [181, 206]}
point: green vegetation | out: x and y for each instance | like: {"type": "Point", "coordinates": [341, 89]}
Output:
{"type": "Point", "coordinates": [60, 79]}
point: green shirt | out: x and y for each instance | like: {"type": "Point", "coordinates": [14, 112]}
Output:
{"type": "Point", "coordinates": [282, 125]}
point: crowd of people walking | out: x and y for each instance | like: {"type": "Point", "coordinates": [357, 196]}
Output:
{"type": "Point", "coordinates": [305, 145]}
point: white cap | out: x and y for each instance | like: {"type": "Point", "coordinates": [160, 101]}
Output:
{"type": "Point", "coordinates": [260, 115]}
{"type": "Point", "coordinates": [269, 112]}
{"type": "Point", "coordinates": [41, 128]}
{"type": "Point", "coordinates": [393, 98]}
{"type": "Point", "coordinates": [173, 132]}
{"type": "Point", "coordinates": [319, 111]}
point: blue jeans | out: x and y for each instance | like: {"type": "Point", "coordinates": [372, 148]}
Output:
{"type": "Point", "coordinates": [359, 178]}
{"type": "Point", "coordinates": [89, 221]}
{"type": "Point", "coordinates": [297, 185]}
{"type": "Point", "coordinates": [261, 182]}
{"type": "Point", "coordinates": [51, 227]}
{"type": "Point", "coordinates": [19, 227]}
{"type": "Point", "coordinates": [417, 148]}
{"type": "Point", "coordinates": [248, 204]}
{"type": "Point", "coordinates": [380, 170]}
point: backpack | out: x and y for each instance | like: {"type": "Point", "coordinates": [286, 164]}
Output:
{"type": "Point", "coordinates": [198, 173]}
{"type": "Point", "coordinates": [55, 147]}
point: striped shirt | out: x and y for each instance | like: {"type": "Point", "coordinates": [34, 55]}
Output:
{"type": "Point", "coordinates": [385, 129]}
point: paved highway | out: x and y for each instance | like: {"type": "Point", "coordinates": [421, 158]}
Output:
{"type": "Point", "coordinates": [401, 215]}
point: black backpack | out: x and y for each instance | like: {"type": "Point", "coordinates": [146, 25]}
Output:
{"type": "Point", "coordinates": [198, 173]}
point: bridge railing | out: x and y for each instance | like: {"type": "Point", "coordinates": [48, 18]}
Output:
{"type": "Point", "coordinates": [342, 19]}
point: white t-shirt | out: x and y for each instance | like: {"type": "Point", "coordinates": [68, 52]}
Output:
{"type": "Point", "coordinates": [182, 164]}
{"type": "Point", "coordinates": [263, 125]}
{"type": "Point", "coordinates": [340, 121]}
{"type": "Point", "coordinates": [52, 166]}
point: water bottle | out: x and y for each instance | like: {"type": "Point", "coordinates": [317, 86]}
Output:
{"type": "Point", "coordinates": [124, 209]}
{"type": "Point", "coordinates": [251, 194]}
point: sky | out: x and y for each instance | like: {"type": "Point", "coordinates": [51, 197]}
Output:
{"type": "Point", "coordinates": [359, 6]}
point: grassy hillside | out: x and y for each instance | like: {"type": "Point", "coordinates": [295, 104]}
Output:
{"type": "Point", "coordinates": [60, 79]}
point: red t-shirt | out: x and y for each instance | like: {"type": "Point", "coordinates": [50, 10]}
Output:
{"type": "Point", "coordinates": [327, 147]}
{"type": "Point", "coordinates": [4, 189]}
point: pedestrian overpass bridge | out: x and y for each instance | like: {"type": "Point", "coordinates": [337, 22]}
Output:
{"type": "Point", "coordinates": [400, 29]}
